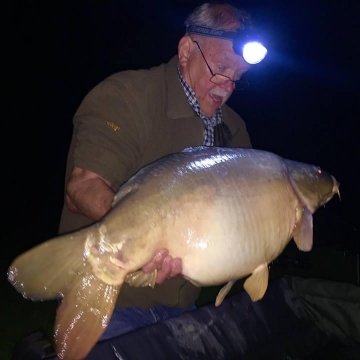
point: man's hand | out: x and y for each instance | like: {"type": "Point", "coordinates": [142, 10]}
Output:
{"type": "Point", "coordinates": [167, 266]}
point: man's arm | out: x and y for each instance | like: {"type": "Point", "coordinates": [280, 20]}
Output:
{"type": "Point", "coordinates": [89, 194]}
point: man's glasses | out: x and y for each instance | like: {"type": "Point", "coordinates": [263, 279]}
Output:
{"type": "Point", "coordinates": [220, 79]}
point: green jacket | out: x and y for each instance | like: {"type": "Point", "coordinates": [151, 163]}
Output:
{"type": "Point", "coordinates": [129, 120]}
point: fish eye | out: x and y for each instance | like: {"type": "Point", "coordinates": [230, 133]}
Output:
{"type": "Point", "coordinates": [319, 170]}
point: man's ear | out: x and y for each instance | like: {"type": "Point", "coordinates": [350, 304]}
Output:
{"type": "Point", "coordinates": [184, 50]}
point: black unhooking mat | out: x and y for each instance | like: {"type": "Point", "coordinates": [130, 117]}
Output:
{"type": "Point", "coordinates": [297, 319]}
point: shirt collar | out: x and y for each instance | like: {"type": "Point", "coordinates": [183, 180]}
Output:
{"type": "Point", "coordinates": [178, 102]}
{"type": "Point", "coordinates": [178, 105]}
{"type": "Point", "coordinates": [194, 103]}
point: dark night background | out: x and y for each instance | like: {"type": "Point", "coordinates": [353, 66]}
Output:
{"type": "Point", "coordinates": [302, 103]}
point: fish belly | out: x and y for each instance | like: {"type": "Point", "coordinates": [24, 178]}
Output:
{"type": "Point", "coordinates": [232, 237]}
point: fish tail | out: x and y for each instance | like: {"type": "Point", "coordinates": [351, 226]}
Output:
{"type": "Point", "coordinates": [83, 316]}
{"type": "Point", "coordinates": [60, 268]}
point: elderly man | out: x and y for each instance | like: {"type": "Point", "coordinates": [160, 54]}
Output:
{"type": "Point", "coordinates": [133, 118]}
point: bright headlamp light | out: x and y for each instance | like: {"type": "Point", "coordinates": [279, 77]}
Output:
{"type": "Point", "coordinates": [246, 42]}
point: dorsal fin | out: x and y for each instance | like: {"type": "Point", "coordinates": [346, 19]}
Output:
{"type": "Point", "coordinates": [123, 192]}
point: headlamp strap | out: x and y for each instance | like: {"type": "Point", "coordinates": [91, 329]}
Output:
{"type": "Point", "coordinates": [206, 31]}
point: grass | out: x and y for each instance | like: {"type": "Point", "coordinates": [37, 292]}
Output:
{"type": "Point", "coordinates": [20, 316]}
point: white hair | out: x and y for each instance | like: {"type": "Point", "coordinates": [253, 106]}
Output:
{"type": "Point", "coordinates": [218, 16]}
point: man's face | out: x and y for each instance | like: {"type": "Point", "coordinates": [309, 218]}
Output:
{"type": "Point", "coordinates": [221, 59]}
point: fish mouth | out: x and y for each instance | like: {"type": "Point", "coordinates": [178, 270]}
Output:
{"type": "Point", "coordinates": [336, 187]}
{"type": "Point", "coordinates": [335, 190]}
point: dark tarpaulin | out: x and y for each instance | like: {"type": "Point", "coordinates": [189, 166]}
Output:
{"type": "Point", "coordinates": [297, 319]}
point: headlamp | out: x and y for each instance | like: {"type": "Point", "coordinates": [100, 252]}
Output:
{"type": "Point", "coordinates": [246, 42]}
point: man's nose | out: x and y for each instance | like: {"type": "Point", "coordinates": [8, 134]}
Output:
{"type": "Point", "coordinates": [228, 86]}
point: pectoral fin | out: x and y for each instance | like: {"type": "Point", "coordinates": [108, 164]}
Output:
{"type": "Point", "coordinates": [223, 292]}
{"type": "Point", "coordinates": [141, 279]}
{"type": "Point", "coordinates": [256, 284]}
{"type": "Point", "coordinates": [303, 231]}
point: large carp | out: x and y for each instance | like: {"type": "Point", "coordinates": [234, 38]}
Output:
{"type": "Point", "coordinates": [227, 213]}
